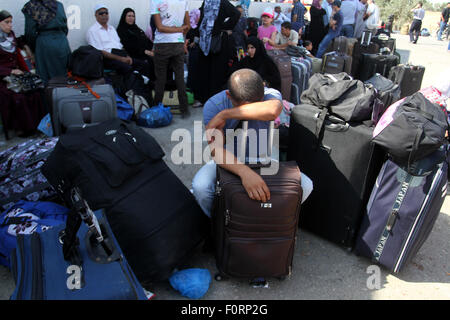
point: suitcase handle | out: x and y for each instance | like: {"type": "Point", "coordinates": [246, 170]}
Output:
{"type": "Point", "coordinates": [244, 143]}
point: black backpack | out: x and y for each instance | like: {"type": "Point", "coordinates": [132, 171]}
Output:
{"type": "Point", "coordinates": [86, 62]}
{"type": "Point", "coordinates": [418, 129]}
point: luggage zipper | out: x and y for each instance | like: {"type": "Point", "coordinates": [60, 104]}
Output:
{"type": "Point", "coordinates": [413, 228]}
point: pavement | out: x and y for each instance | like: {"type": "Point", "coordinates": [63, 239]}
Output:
{"type": "Point", "coordinates": [321, 269]}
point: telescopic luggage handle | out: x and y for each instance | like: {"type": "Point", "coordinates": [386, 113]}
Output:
{"type": "Point", "coordinates": [243, 144]}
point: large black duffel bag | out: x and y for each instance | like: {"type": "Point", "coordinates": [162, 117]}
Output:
{"type": "Point", "coordinates": [118, 166]}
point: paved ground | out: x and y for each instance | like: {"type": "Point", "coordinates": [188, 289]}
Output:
{"type": "Point", "coordinates": [321, 269]}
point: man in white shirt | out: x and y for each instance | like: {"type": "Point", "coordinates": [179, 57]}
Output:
{"type": "Point", "coordinates": [416, 25]}
{"type": "Point", "coordinates": [372, 16]}
{"type": "Point", "coordinates": [287, 37]}
{"type": "Point", "coordinates": [172, 23]}
{"type": "Point", "coordinates": [348, 9]}
{"type": "Point", "coordinates": [104, 37]}
{"type": "Point", "coordinates": [360, 24]}
{"type": "Point", "coordinates": [279, 17]}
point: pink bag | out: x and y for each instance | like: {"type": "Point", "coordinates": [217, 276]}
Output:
{"type": "Point", "coordinates": [431, 93]}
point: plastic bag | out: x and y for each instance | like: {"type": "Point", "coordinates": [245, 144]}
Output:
{"type": "Point", "coordinates": [155, 117]}
{"type": "Point", "coordinates": [191, 283]}
{"type": "Point", "coordinates": [45, 126]}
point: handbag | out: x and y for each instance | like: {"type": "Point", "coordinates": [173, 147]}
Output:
{"type": "Point", "coordinates": [155, 117]}
{"type": "Point", "coordinates": [216, 43]}
{"type": "Point", "coordinates": [24, 83]}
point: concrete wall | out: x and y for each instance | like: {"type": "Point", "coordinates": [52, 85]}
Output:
{"type": "Point", "coordinates": [80, 15]}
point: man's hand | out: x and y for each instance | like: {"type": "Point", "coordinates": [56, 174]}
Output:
{"type": "Point", "coordinates": [127, 60]}
{"type": "Point", "coordinates": [149, 53]}
{"type": "Point", "coordinates": [254, 185]}
{"type": "Point", "coordinates": [218, 122]}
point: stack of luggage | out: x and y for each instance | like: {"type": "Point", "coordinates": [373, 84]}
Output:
{"type": "Point", "coordinates": [334, 111]}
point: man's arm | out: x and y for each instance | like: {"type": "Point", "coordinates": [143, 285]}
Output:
{"type": "Point", "coordinates": [267, 110]}
{"type": "Point", "coordinates": [164, 29]}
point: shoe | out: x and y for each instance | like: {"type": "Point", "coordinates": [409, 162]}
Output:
{"type": "Point", "coordinates": [415, 42]}
{"type": "Point", "coordinates": [197, 104]}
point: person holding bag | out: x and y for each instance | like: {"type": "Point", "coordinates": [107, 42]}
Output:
{"type": "Point", "coordinates": [20, 111]}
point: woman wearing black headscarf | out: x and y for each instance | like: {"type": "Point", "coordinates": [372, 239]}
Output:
{"type": "Point", "coordinates": [46, 33]}
{"type": "Point", "coordinates": [20, 111]}
{"type": "Point", "coordinates": [134, 40]}
{"type": "Point", "coordinates": [258, 60]}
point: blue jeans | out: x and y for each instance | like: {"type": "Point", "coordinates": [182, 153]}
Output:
{"type": "Point", "coordinates": [204, 186]}
{"type": "Point", "coordinates": [347, 31]}
{"type": "Point", "coordinates": [441, 29]}
{"type": "Point", "coordinates": [323, 46]}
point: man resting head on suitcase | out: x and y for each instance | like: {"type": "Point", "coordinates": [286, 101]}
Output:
{"type": "Point", "coordinates": [245, 99]}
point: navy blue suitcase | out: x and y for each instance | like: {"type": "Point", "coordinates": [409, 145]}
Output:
{"type": "Point", "coordinates": [402, 210]}
{"type": "Point", "coordinates": [41, 273]}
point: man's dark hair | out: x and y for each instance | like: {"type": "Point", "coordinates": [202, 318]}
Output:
{"type": "Point", "coordinates": [287, 25]}
{"type": "Point", "coordinates": [306, 43]}
{"type": "Point", "coordinates": [246, 86]}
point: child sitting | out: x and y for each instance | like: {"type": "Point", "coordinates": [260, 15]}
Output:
{"type": "Point", "coordinates": [308, 46]}
{"type": "Point", "coordinates": [267, 30]}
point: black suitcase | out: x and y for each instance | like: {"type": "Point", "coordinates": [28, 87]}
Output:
{"type": "Point", "coordinates": [358, 50]}
{"type": "Point", "coordinates": [118, 166]}
{"type": "Point", "coordinates": [402, 211]}
{"type": "Point", "coordinates": [256, 239]}
{"type": "Point", "coordinates": [376, 63]}
{"type": "Point", "coordinates": [408, 77]}
{"type": "Point", "coordinates": [342, 163]}
{"type": "Point", "coordinates": [385, 43]}
{"type": "Point", "coordinates": [388, 91]}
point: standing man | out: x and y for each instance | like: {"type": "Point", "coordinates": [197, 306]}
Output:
{"type": "Point", "coordinates": [336, 23]}
{"type": "Point", "coordinates": [372, 17]}
{"type": "Point", "coordinates": [444, 20]}
{"type": "Point", "coordinates": [348, 10]}
{"type": "Point", "coordinates": [327, 5]}
{"type": "Point", "coordinates": [416, 25]}
{"type": "Point", "coordinates": [360, 25]}
{"type": "Point", "coordinates": [297, 15]}
{"type": "Point", "coordinates": [279, 17]}
{"type": "Point", "coordinates": [172, 23]}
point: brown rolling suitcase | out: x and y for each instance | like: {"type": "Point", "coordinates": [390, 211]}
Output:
{"type": "Point", "coordinates": [283, 62]}
{"type": "Point", "coordinates": [255, 239]}
{"type": "Point", "coordinates": [333, 62]}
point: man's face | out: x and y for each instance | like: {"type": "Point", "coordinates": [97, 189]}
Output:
{"type": "Point", "coordinates": [331, 1]}
{"type": "Point", "coordinates": [363, 1]}
{"type": "Point", "coordinates": [285, 31]}
{"type": "Point", "coordinates": [277, 9]}
{"type": "Point", "coordinates": [102, 16]}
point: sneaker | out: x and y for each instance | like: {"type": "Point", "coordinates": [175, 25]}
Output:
{"type": "Point", "coordinates": [197, 104]}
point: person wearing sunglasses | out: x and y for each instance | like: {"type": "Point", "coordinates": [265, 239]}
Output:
{"type": "Point", "coordinates": [105, 38]}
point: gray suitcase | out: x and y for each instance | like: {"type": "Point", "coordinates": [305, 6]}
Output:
{"type": "Point", "coordinates": [78, 107]}
{"type": "Point", "coordinates": [336, 63]}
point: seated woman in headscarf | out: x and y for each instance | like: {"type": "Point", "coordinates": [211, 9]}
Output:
{"type": "Point", "coordinates": [21, 112]}
{"type": "Point", "coordinates": [135, 41]}
{"type": "Point", "coordinates": [258, 60]}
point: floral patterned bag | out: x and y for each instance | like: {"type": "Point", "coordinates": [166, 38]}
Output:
{"type": "Point", "coordinates": [20, 175]}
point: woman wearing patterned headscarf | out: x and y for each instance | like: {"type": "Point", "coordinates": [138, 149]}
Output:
{"type": "Point", "coordinates": [213, 67]}
{"type": "Point", "coordinates": [46, 33]}
{"type": "Point", "coordinates": [19, 111]}
{"type": "Point", "coordinates": [317, 29]}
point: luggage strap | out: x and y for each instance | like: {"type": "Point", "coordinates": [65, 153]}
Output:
{"type": "Point", "coordinates": [19, 196]}
{"type": "Point", "coordinates": [392, 218]}
{"type": "Point", "coordinates": [83, 82]}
